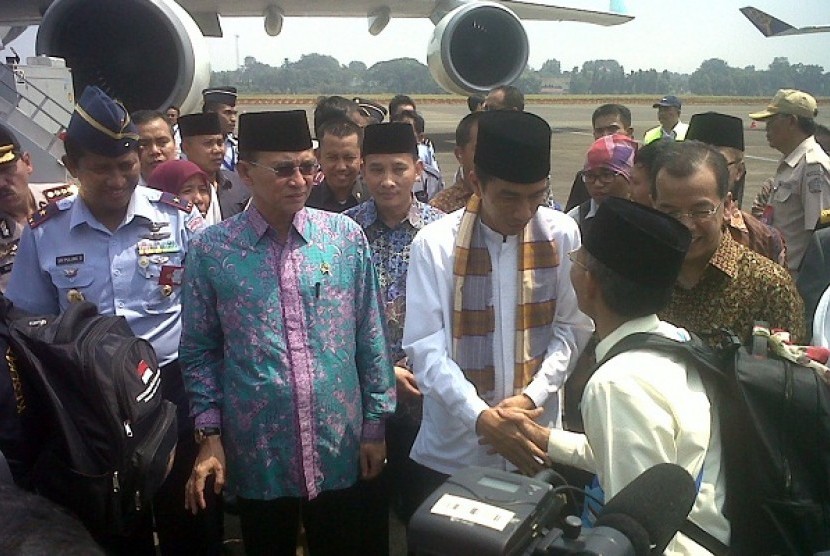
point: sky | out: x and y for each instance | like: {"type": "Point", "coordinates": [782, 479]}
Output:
{"type": "Point", "coordinates": [666, 34]}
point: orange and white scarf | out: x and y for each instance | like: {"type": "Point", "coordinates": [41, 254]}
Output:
{"type": "Point", "coordinates": [474, 322]}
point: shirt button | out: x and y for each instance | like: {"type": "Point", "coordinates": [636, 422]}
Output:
{"type": "Point", "coordinates": [120, 304]}
{"type": "Point", "coordinates": [116, 272]}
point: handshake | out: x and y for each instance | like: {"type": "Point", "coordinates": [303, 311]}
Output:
{"type": "Point", "coordinates": [510, 430]}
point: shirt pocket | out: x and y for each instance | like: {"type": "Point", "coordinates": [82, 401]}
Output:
{"type": "Point", "coordinates": [72, 283]}
{"type": "Point", "coordinates": [782, 192]}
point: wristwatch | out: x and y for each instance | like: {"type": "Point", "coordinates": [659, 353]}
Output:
{"type": "Point", "coordinates": [202, 434]}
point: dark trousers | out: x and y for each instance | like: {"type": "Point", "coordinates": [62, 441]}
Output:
{"type": "Point", "coordinates": [374, 514]}
{"type": "Point", "coordinates": [332, 524]}
{"type": "Point", "coordinates": [400, 435]}
{"type": "Point", "coordinates": [425, 481]}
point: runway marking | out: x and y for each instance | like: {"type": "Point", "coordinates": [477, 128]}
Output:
{"type": "Point", "coordinates": [763, 158]}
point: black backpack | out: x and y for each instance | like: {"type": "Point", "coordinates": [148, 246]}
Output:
{"type": "Point", "coordinates": [775, 433]}
{"type": "Point", "coordinates": [92, 396]}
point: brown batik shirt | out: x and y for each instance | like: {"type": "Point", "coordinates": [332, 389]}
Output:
{"type": "Point", "coordinates": [738, 288]}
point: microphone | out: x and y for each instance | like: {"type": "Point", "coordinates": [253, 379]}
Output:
{"type": "Point", "coordinates": [657, 503]}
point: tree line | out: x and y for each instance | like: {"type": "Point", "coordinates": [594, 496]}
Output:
{"type": "Point", "coordinates": [320, 74]}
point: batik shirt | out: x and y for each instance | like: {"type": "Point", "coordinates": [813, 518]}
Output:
{"type": "Point", "coordinates": [738, 288]}
{"type": "Point", "coordinates": [284, 346]}
{"type": "Point", "coordinates": [390, 254]}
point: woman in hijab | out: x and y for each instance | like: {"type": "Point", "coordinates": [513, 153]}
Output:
{"type": "Point", "coordinates": [185, 180]}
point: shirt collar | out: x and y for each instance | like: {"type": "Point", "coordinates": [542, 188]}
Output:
{"type": "Point", "coordinates": [648, 323]}
{"type": "Point", "coordinates": [792, 159]}
{"type": "Point", "coordinates": [369, 215]}
{"type": "Point", "coordinates": [140, 206]}
{"type": "Point", "coordinates": [725, 258]}
{"type": "Point", "coordinates": [261, 226]}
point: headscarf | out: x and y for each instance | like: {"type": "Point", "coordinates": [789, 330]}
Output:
{"type": "Point", "coordinates": [171, 175]}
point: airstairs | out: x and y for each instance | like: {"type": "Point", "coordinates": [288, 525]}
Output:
{"type": "Point", "coordinates": [36, 102]}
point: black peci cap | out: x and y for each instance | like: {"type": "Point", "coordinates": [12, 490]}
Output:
{"type": "Point", "coordinates": [513, 146]}
{"type": "Point", "coordinates": [389, 138]}
{"type": "Point", "coordinates": [205, 123]}
{"type": "Point", "coordinates": [718, 130]}
{"type": "Point", "coordinates": [274, 131]}
{"type": "Point", "coordinates": [637, 242]}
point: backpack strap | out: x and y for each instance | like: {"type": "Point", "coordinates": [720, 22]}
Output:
{"type": "Point", "coordinates": [704, 539]}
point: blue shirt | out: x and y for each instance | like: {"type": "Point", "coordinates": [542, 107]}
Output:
{"type": "Point", "coordinates": [71, 255]}
{"type": "Point", "coordinates": [231, 155]}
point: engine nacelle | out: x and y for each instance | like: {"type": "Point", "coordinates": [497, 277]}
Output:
{"type": "Point", "coordinates": [148, 54]}
{"type": "Point", "coordinates": [476, 47]}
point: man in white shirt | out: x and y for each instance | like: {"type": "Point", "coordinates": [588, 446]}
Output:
{"type": "Point", "coordinates": [497, 323]}
{"type": "Point", "coordinates": [640, 408]}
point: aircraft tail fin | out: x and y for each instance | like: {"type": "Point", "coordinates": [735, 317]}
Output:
{"type": "Point", "coordinates": [618, 7]}
{"type": "Point", "coordinates": [768, 25]}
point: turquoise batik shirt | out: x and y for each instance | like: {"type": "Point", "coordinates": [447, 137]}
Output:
{"type": "Point", "coordinates": [283, 346]}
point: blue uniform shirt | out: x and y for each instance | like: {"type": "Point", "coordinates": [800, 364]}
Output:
{"type": "Point", "coordinates": [135, 272]}
{"type": "Point", "coordinates": [231, 153]}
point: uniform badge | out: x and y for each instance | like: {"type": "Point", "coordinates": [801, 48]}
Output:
{"type": "Point", "coordinates": [156, 236]}
{"type": "Point", "coordinates": [70, 272]}
{"type": "Point", "coordinates": [171, 275]}
{"type": "Point", "coordinates": [152, 247]}
{"type": "Point", "coordinates": [74, 296]}
{"type": "Point", "coordinates": [6, 229]}
{"type": "Point", "coordinates": [9, 249]}
{"type": "Point", "coordinates": [143, 262]}
{"type": "Point", "coordinates": [69, 259]}
{"type": "Point", "coordinates": [157, 226]}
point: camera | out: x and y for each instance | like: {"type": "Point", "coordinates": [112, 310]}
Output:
{"type": "Point", "coordinates": [488, 512]}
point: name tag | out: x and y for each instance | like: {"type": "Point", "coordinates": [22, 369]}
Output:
{"type": "Point", "coordinates": [69, 259]}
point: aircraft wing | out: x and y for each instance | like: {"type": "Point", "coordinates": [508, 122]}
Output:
{"type": "Point", "coordinates": [773, 27]}
{"type": "Point", "coordinates": [525, 9]}
{"type": "Point", "coordinates": [29, 12]}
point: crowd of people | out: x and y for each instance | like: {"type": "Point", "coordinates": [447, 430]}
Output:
{"type": "Point", "coordinates": [341, 330]}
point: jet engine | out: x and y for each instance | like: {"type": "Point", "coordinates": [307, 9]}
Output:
{"type": "Point", "coordinates": [477, 46]}
{"type": "Point", "coordinates": [145, 53]}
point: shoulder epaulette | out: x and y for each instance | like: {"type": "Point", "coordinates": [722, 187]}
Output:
{"type": "Point", "coordinates": [176, 201]}
{"type": "Point", "coordinates": [44, 214]}
{"type": "Point", "coordinates": [56, 193]}
{"type": "Point", "coordinates": [823, 219]}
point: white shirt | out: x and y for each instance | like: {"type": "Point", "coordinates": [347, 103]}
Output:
{"type": "Point", "coordinates": [447, 440]}
{"type": "Point", "coordinates": [592, 210]}
{"type": "Point", "coordinates": [642, 408]}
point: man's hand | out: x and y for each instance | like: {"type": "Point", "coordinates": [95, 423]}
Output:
{"type": "Point", "coordinates": [522, 401]}
{"type": "Point", "coordinates": [372, 459]}
{"type": "Point", "coordinates": [406, 385]}
{"type": "Point", "coordinates": [526, 422]}
{"type": "Point", "coordinates": [210, 461]}
{"type": "Point", "coordinates": [506, 438]}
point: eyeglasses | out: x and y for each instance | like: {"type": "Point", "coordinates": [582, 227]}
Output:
{"type": "Point", "coordinates": [698, 215]}
{"type": "Point", "coordinates": [572, 256]}
{"type": "Point", "coordinates": [287, 170]}
{"type": "Point", "coordinates": [603, 176]}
